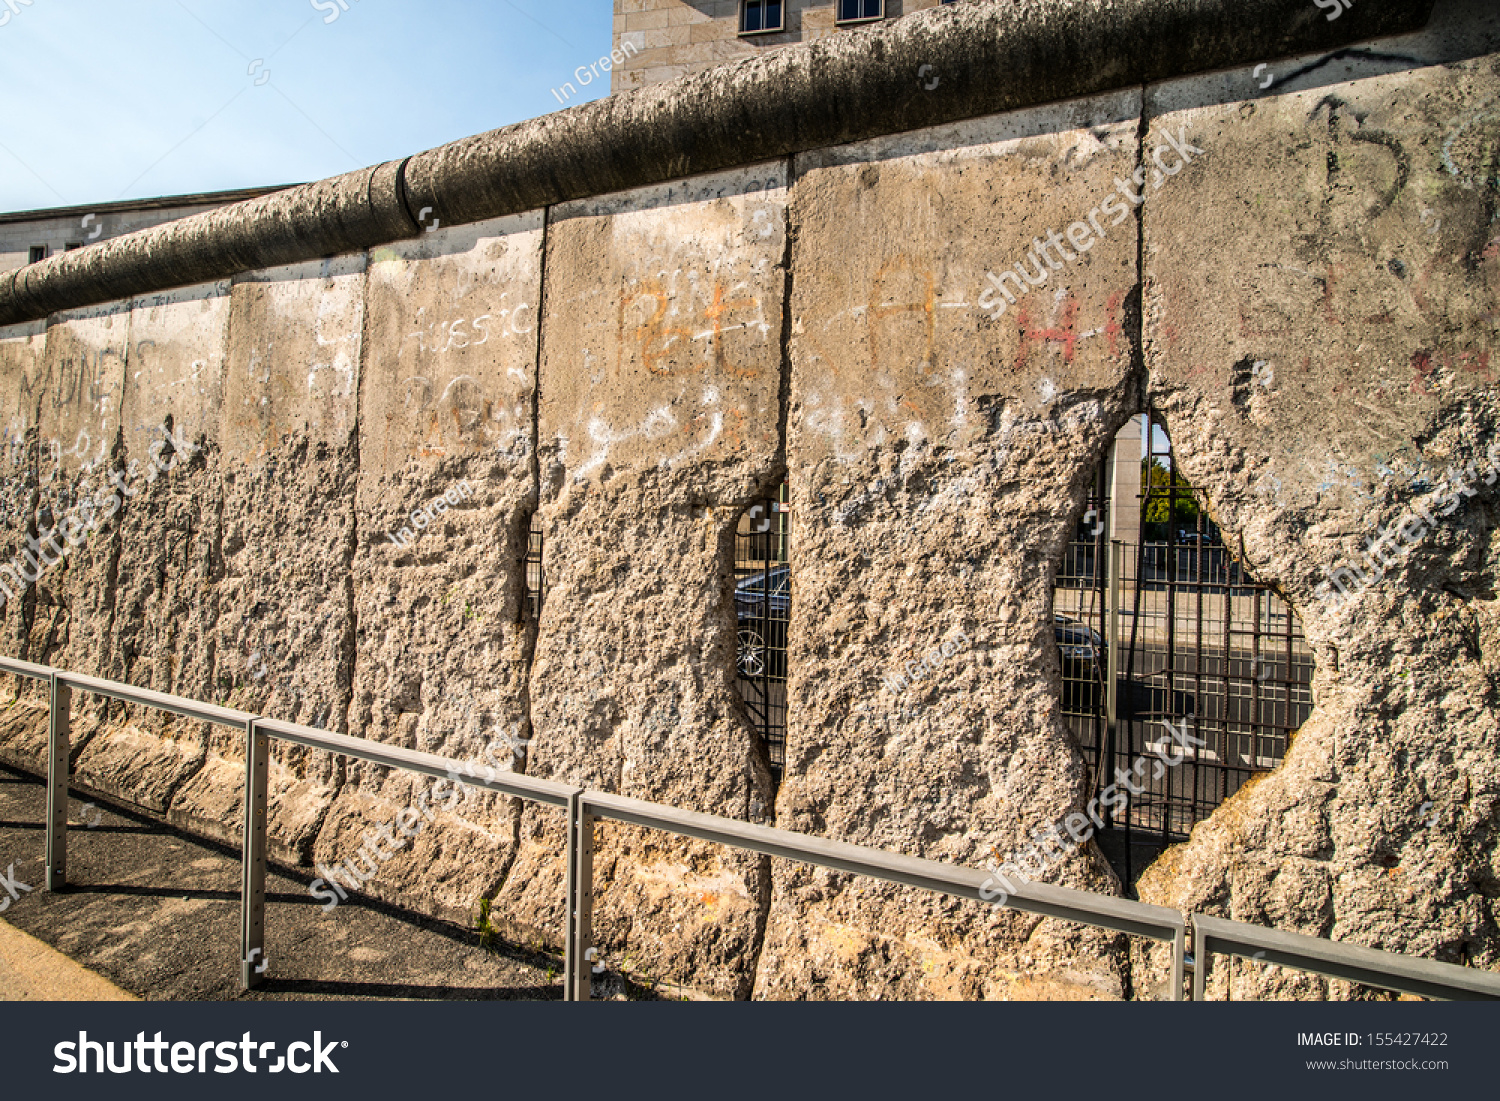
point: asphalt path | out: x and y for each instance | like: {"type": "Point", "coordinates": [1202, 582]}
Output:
{"type": "Point", "coordinates": [155, 913]}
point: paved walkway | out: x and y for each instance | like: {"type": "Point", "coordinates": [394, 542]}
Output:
{"type": "Point", "coordinates": [32, 972]}
{"type": "Point", "coordinates": [153, 913]}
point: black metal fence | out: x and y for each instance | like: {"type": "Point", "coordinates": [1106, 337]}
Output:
{"type": "Point", "coordinates": [1214, 672]}
{"type": "Point", "coordinates": [762, 610]}
{"type": "Point", "coordinates": [536, 582]}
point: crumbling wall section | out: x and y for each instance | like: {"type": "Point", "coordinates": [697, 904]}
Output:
{"type": "Point", "coordinates": [659, 423]}
{"type": "Point", "coordinates": [1321, 337]}
{"type": "Point", "coordinates": [940, 437]}
{"type": "Point", "coordinates": [446, 489]}
{"type": "Point", "coordinates": [169, 565]}
{"type": "Point", "coordinates": [1300, 276]}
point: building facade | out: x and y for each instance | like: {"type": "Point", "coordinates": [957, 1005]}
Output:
{"type": "Point", "coordinates": [671, 38]}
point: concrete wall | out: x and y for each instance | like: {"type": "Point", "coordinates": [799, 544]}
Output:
{"type": "Point", "coordinates": [671, 38]}
{"type": "Point", "coordinates": [1320, 334]}
{"type": "Point", "coordinates": [1306, 294]}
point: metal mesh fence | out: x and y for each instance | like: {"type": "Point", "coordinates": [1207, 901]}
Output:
{"type": "Point", "coordinates": [535, 582]}
{"type": "Point", "coordinates": [762, 610]}
{"type": "Point", "coordinates": [1214, 672]}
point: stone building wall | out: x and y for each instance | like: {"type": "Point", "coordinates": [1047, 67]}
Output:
{"type": "Point", "coordinates": [1301, 278]}
{"type": "Point", "coordinates": [671, 38]}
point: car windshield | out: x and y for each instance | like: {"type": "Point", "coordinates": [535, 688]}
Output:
{"type": "Point", "coordinates": [756, 583]}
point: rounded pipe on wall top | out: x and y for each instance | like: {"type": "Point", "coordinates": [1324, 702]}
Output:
{"type": "Point", "coordinates": [342, 214]}
{"type": "Point", "coordinates": [932, 67]}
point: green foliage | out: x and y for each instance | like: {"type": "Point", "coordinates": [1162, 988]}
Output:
{"type": "Point", "coordinates": [1161, 504]}
{"type": "Point", "coordinates": [487, 932]}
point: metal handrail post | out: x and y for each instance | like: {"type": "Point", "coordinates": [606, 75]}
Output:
{"type": "Point", "coordinates": [1202, 953]}
{"type": "Point", "coordinates": [253, 887]}
{"type": "Point", "coordinates": [1116, 567]}
{"type": "Point", "coordinates": [59, 724]}
{"type": "Point", "coordinates": [577, 973]}
{"type": "Point", "coordinates": [1179, 963]}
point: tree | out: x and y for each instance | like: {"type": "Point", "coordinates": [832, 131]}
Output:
{"type": "Point", "coordinates": [1169, 496]}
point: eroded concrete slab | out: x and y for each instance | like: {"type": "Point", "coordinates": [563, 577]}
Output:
{"type": "Point", "coordinates": [943, 428]}
{"type": "Point", "coordinates": [285, 608]}
{"type": "Point", "coordinates": [446, 492]}
{"type": "Point", "coordinates": [83, 484]}
{"type": "Point", "coordinates": [660, 403]}
{"type": "Point", "coordinates": [21, 349]}
{"type": "Point", "coordinates": [1321, 337]}
{"type": "Point", "coordinates": [169, 564]}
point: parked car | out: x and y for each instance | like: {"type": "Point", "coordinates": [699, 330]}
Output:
{"type": "Point", "coordinates": [1079, 645]}
{"type": "Point", "coordinates": [762, 606]}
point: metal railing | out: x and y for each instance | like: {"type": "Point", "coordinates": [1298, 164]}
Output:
{"type": "Point", "coordinates": [582, 807]}
{"type": "Point", "coordinates": [1370, 966]}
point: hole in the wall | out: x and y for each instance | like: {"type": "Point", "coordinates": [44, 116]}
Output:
{"type": "Point", "coordinates": [762, 611]}
{"type": "Point", "coordinates": [1212, 673]}
{"type": "Point", "coordinates": [536, 581]}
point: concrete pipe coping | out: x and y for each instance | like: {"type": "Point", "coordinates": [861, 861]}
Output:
{"type": "Point", "coordinates": [932, 67]}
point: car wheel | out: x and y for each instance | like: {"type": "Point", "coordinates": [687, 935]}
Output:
{"type": "Point", "coordinates": [752, 652]}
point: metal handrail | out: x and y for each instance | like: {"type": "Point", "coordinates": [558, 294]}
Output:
{"type": "Point", "coordinates": [549, 792]}
{"type": "Point", "coordinates": [1336, 960]}
{"type": "Point", "coordinates": [1084, 907]}
{"type": "Point", "coordinates": [1105, 911]}
{"type": "Point", "coordinates": [177, 705]}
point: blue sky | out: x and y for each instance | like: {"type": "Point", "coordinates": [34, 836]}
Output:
{"type": "Point", "coordinates": [128, 99]}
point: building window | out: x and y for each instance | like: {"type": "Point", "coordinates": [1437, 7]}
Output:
{"type": "Point", "coordinates": [760, 16]}
{"type": "Point", "coordinates": [860, 11]}
{"type": "Point", "coordinates": [71, 245]}
{"type": "Point", "coordinates": [38, 254]}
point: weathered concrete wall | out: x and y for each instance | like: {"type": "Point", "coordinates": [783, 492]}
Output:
{"type": "Point", "coordinates": [21, 349]}
{"type": "Point", "coordinates": [936, 452]}
{"type": "Point", "coordinates": [57, 230]}
{"type": "Point", "coordinates": [1321, 337]}
{"type": "Point", "coordinates": [79, 386]}
{"type": "Point", "coordinates": [659, 422]}
{"type": "Point", "coordinates": [443, 643]}
{"type": "Point", "coordinates": [988, 57]}
{"type": "Point", "coordinates": [290, 456]}
{"type": "Point", "coordinates": [1318, 276]}
{"type": "Point", "coordinates": [166, 598]}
